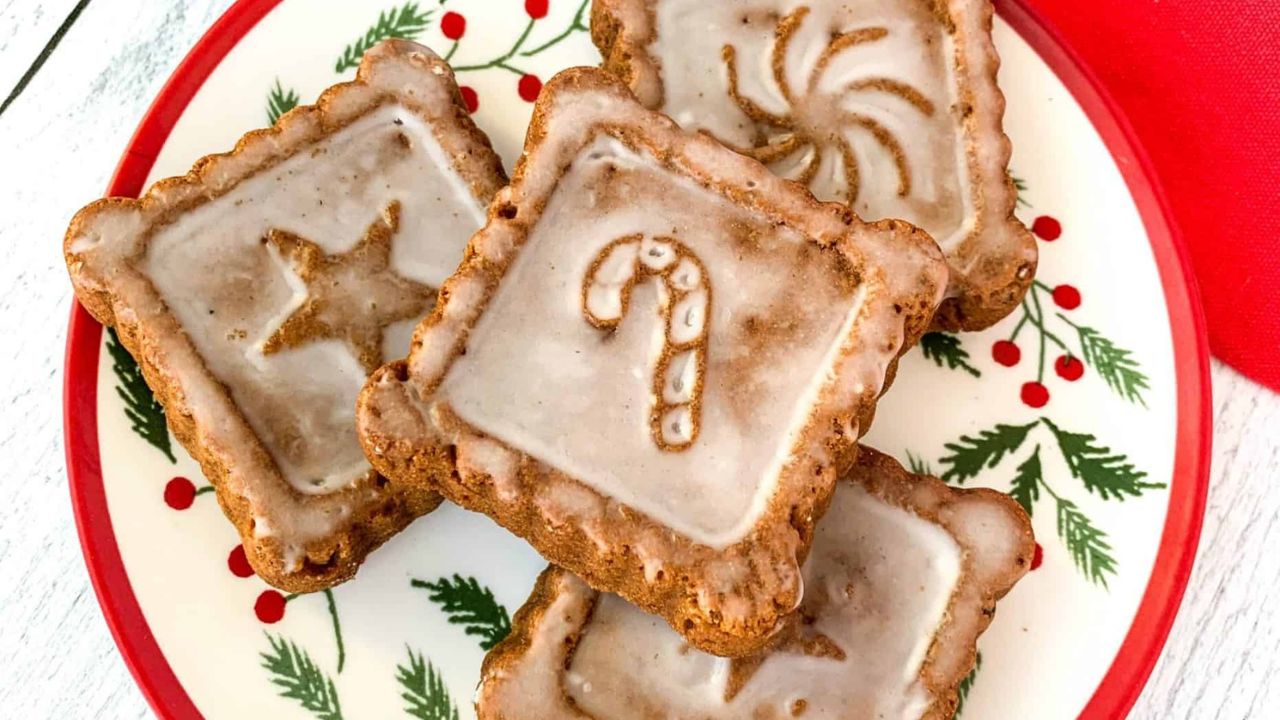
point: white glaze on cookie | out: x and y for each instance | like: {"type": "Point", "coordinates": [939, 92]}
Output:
{"type": "Point", "coordinates": [808, 309]}
{"type": "Point", "coordinates": [578, 395]}
{"type": "Point", "coordinates": [879, 581]}
{"type": "Point", "coordinates": [856, 98]}
{"type": "Point", "coordinates": [231, 288]}
{"type": "Point", "coordinates": [684, 299]}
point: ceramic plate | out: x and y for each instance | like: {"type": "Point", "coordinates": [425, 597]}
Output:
{"type": "Point", "coordinates": [1088, 404]}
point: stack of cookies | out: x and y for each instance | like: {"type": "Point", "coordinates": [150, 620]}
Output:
{"type": "Point", "coordinates": [652, 357]}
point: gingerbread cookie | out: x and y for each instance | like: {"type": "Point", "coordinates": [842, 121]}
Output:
{"type": "Point", "coordinates": [902, 579]}
{"type": "Point", "coordinates": [889, 106]}
{"type": "Point", "coordinates": [259, 290]}
{"type": "Point", "coordinates": [654, 362]}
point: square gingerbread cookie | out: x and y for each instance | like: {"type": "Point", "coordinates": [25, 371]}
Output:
{"type": "Point", "coordinates": [888, 106]}
{"type": "Point", "coordinates": [654, 363]}
{"type": "Point", "coordinates": [902, 579]}
{"type": "Point", "coordinates": [259, 290]}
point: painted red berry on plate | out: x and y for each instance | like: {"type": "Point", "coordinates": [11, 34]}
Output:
{"type": "Point", "coordinates": [1035, 394]}
{"type": "Point", "coordinates": [1038, 557]}
{"type": "Point", "coordinates": [537, 9]}
{"type": "Point", "coordinates": [179, 493]}
{"type": "Point", "coordinates": [529, 88]}
{"type": "Point", "coordinates": [453, 25]}
{"type": "Point", "coordinates": [1069, 368]}
{"type": "Point", "coordinates": [1046, 228]}
{"type": "Point", "coordinates": [238, 563]}
{"type": "Point", "coordinates": [470, 98]}
{"type": "Point", "coordinates": [1066, 297]}
{"type": "Point", "coordinates": [1006, 352]}
{"type": "Point", "coordinates": [270, 607]}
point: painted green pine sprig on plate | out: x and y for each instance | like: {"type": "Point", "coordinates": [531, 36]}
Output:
{"type": "Point", "coordinates": [468, 603]}
{"type": "Point", "coordinates": [424, 692]}
{"type": "Point", "coordinates": [965, 686]}
{"type": "Point", "coordinates": [409, 21]}
{"type": "Point", "coordinates": [1113, 364]}
{"type": "Point", "coordinates": [299, 678]}
{"type": "Point", "coordinates": [1043, 316]}
{"type": "Point", "coordinates": [145, 413]}
{"type": "Point", "coordinates": [405, 22]}
{"type": "Point", "coordinates": [1102, 473]}
{"type": "Point", "coordinates": [947, 351]}
{"type": "Point", "coordinates": [280, 100]}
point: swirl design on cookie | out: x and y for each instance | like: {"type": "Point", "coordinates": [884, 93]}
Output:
{"type": "Point", "coordinates": [352, 296]}
{"type": "Point", "coordinates": [685, 298]}
{"type": "Point", "coordinates": [817, 120]}
{"type": "Point", "coordinates": [890, 107]}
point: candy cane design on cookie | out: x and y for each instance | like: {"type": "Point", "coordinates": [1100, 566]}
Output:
{"type": "Point", "coordinates": [685, 298]}
{"type": "Point", "coordinates": [816, 120]}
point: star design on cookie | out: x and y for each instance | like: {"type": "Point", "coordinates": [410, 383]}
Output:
{"type": "Point", "coordinates": [816, 121]}
{"type": "Point", "coordinates": [794, 641]}
{"type": "Point", "coordinates": [351, 296]}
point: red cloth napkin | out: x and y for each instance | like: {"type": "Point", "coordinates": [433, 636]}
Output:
{"type": "Point", "coordinates": [1200, 82]}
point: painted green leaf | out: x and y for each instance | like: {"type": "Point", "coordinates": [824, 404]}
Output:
{"type": "Point", "coordinates": [298, 678]}
{"type": "Point", "coordinates": [1103, 473]}
{"type": "Point", "coordinates": [1087, 543]}
{"type": "Point", "coordinates": [280, 101]}
{"type": "Point", "coordinates": [918, 465]}
{"type": "Point", "coordinates": [405, 22]}
{"type": "Point", "coordinates": [425, 694]}
{"type": "Point", "coordinates": [1026, 483]}
{"type": "Point", "coordinates": [946, 351]}
{"type": "Point", "coordinates": [1114, 364]}
{"type": "Point", "coordinates": [469, 604]}
{"type": "Point", "coordinates": [1020, 186]}
{"type": "Point", "coordinates": [971, 454]}
{"type": "Point", "coordinates": [145, 413]}
{"type": "Point", "coordinates": [962, 690]}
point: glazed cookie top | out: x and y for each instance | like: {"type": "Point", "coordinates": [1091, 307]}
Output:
{"type": "Point", "coordinates": [659, 343]}
{"type": "Point", "coordinates": [877, 586]}
{"type": "Point", "coordinates": [889, 107]}
{"type": "Point", "coordinates": [298, 282]}
{"type": "Point", "coordinates": [901, 571]}
{"type": "Point", "coordinates": [260, 289]}
{"type": "Point", "coordinates": [654, 362]}
{"type": "Point", "coordinates": [656, 339]}
{"type": "Point", "coordinates": [853, 99]}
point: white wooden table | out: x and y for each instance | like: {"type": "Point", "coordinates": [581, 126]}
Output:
{"type": "Point", "coordinates": [60, 139]}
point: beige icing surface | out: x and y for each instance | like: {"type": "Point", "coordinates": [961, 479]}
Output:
{"type": "Point", "coordinates": [856, 97]}
{"type": "Point", "coordinates": [656, 343]}
{"type": "Point", "coordinates": [878, 584]}
{"type": "Point", "coordinates": [231, 289]}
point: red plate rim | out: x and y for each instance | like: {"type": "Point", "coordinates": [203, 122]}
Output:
{"type": "Point", "coordinates": [1124, 680]}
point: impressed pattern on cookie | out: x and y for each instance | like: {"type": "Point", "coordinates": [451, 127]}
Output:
{"type": "Point", "coordinates": [259, 290]}
{"type": "Point", "coordinates": [889, 107]}
{"type": "Point", "coordinates": [685, 301]}
{"type": "Point", "coordinates": [799, 130]}
{"type": "Point", "coordinates": [655, 362]}
{"type": "Point", "coordinates": [902, 579]}
{"type": "Point", "coordinates": [351, 296]}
